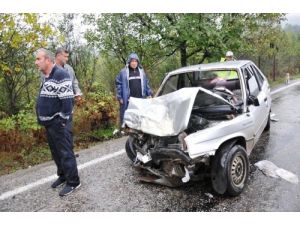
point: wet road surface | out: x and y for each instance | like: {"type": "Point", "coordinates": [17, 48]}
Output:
{"type": "Point", "coordinates": [112, 184]}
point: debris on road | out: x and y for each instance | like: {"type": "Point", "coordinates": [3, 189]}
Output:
{"type": "Point", "coordinates": [272, 117]}
{"type": "Point", "coordinates": [209, 195]}
{"type": "Point", "coordinates": [271, 170]}
{"type": "Point", "coordinates": [116, 131]}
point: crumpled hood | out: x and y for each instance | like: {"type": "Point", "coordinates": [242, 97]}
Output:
{"type": "Point", "coordinates": [167, 115]}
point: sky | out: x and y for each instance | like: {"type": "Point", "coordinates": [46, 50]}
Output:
{"type": "Point", "coordinates": [195, 6]}
{"type": "Point", "coordinates": [292, 7]}
{"type": "Point", "coordinates": [293, 18]}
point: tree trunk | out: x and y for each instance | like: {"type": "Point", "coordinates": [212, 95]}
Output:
{"type": "Point", "coordinates": [274, 67]}
{"type": "Point", "coordinates": [183, 54]}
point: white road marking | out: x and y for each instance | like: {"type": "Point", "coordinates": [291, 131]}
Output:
{"type": "Point", "coordinates": [27, 187]}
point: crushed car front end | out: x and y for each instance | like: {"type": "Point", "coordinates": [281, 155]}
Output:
{"type": "Point", "coordinates": [204, 121]}
{"type": "Point", "coordinates": [171, 137]}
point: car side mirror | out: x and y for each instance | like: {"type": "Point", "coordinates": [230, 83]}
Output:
{"type": "Point", "coordinates": [252, 100]}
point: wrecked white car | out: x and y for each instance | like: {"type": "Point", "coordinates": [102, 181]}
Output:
{"type": "Point", "coordinates": [204, 120]}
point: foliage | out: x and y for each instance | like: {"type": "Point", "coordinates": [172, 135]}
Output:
{"type": "Point", "coordinates": [11, 161]}
{"type": "Point", "coordinates": [20, 36]}
{"type": "Point", "coordinates": [19, 132]}
{"type": "Point", "coordinates": [194, 36]}
{"type": "Point", "coordinates": [23, 142]}
{"type": "Point", "coordinates": [99, 111]}
{"type": "Point", "coordinates": [101, 134]}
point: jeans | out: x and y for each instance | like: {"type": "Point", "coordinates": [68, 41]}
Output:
{"type": "Point", "coordinates": [60, 140]}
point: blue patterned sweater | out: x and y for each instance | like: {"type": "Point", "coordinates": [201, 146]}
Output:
{"type": "Point", "coordinates": [55, 100]}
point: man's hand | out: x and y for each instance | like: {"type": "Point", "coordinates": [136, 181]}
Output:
{"type": "Point", "coordinates": [78, 100]}
{"type": "Point", "coordinates": [121, 101]}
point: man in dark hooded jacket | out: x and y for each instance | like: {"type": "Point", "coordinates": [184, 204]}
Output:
{"type": "Point", "coordinates": [131, 82]}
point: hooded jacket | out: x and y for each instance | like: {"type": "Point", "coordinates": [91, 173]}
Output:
{"type": "Point", "coordinates": [122, 84]}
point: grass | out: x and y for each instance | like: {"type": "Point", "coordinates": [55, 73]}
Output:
{"type": "Point", "coordinates": [12, 161]}
{"type": "Point", "coordinates": [102, 134]}
{"type": "Point", "coordinates": [281, 80]}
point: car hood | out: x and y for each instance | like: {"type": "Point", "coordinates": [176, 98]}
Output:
{"type": "Point", "coordinates": [166, 115]}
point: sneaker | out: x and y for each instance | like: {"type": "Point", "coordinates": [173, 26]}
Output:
{"type": "Point", "coordinates": [68, 189]}
{"type": "Point", "coordinates": [58, 182]}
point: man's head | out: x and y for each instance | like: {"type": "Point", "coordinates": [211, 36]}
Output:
{"type": "Point", "coordinates": [229, 56]}
{"type": "Point", "coordinates": [133, 60]}
{"type": "Point", "coordinates": [44, 60]}
{"type": "Point", "coordinates": [61, 56]}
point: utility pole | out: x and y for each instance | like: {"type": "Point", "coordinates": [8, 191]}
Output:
{"type": "Point", "coordinates": [275, 49]}
{"type": "Point", "coordinates": [274, 66]}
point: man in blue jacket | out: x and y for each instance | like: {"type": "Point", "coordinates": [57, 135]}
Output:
{"type": "Point", "coordinates": [131, 82]}
{"type": "Point", "coordinates": [54, 109]}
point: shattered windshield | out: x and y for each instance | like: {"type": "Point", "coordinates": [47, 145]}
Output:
{"type": "Point", "coordinates": [206, 79]}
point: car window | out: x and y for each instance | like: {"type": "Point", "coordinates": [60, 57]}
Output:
{"type": "Point", "coordinates": [252, 84]}
{"type": "Point", "coordinates": [258, 75]}
{"type": "Point", "coordinates": [206, 79]}
{"type": "Point", "coordinates": [170, 85]}
{"type": "Point", "coordinates": [185, 80]}
{"type": "Point", "coordinates": [227, 74]}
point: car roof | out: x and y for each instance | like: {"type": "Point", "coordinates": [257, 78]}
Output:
{"type": "Point", "coordinates": [212, 66]}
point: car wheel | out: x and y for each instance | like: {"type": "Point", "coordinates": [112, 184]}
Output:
{"type": "Point", "coordinates": [130, 150]}
{"type": "Point", "coordinates": [230, 170]}
{"type": "Point", "coordinates": [268, 126]}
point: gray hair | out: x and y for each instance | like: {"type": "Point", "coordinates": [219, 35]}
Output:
{"type": "Point", "coordinates": [61, 50]}
{"type": "Point", "coordinates": [48, 54]}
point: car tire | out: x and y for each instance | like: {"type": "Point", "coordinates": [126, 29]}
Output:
{"type": "Point", "coordinates": [230, 170]}
{"type": "Point", "coordinates": [268, 125]}
{"type": "Point", "coordinates": [129, 148]}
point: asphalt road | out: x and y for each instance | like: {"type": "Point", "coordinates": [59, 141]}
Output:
{"type": "Point", "coordinates": [109, 183]}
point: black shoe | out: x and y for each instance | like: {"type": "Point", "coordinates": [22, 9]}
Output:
{"type": "Point", "coordinates": [68, 189]}
{"type": "Point", "coordinates": [58, 182]}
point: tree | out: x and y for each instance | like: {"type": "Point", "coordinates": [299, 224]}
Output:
{"type": "Point", "coordinates": [194, 37]}
{"type": "Point", "coordinates": [20, 36]}
{"type": "Point", "coordinates": [262, 38]}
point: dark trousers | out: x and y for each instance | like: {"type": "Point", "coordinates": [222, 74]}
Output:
{"type": "Point", "coordinates": [123, 108]}
{"type": "Point", "coordinates": [60, 140]}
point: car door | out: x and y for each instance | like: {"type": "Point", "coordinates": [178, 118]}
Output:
{"type": "Point", "coordinates": [264, 87]}
{"type": "Point", "coordinates": [256, 113]}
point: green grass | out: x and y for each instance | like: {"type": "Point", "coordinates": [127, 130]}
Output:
{"type": "Point", "coordinates": [101, 134]}
{"type": "Point", "coordinates": [13, 161]}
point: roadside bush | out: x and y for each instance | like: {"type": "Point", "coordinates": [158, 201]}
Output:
{"type": "Point", "coordinates": [20, 132]}
{"type": "Point", "coordinates": [23, 142]}
{"type": "Point", "coordinates": [98, 112]}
